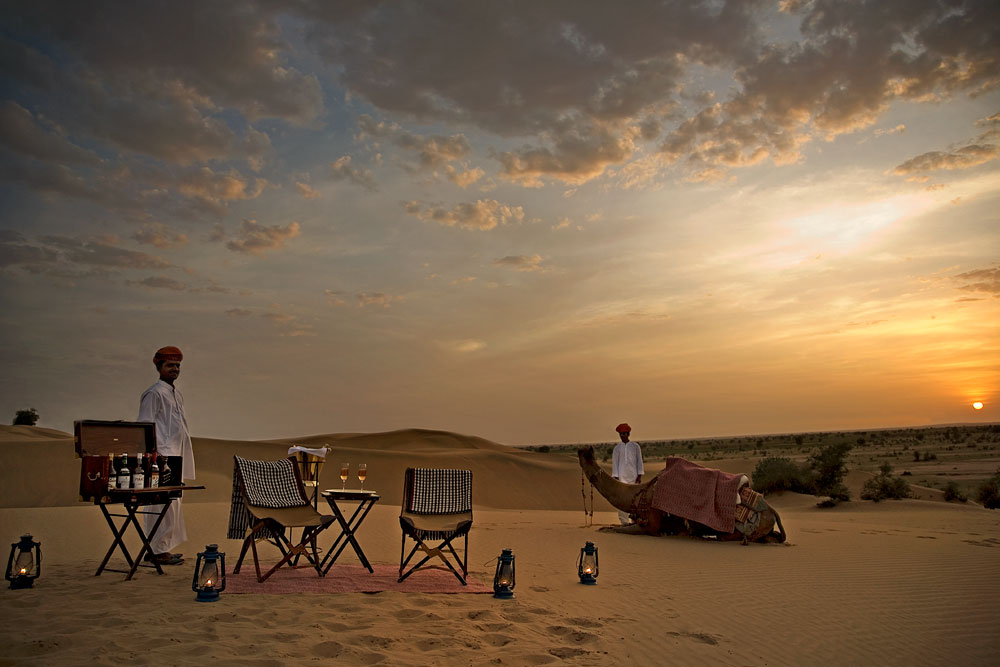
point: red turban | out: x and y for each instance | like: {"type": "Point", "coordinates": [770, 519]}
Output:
{"type": "Point", "coordinates": [624, 428]}
{"type": "Point", "coordinates": [169, 353]}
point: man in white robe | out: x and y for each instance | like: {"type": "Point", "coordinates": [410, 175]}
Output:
{"type": "Point", "coordinates": [163, 405]}
{"type": "Point", "coordinates": [626, 464]}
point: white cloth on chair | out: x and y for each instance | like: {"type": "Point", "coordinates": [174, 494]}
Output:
{"type": "Point", "coordinates": [315, 451]}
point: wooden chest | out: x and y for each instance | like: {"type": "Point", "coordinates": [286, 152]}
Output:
{"type": "Point", "coordinates": [96, 439]}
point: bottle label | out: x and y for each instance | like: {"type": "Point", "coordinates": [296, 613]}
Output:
{"type": "Point", "coordinates": [122, 481]}
{"type": "Point", "coordinates": [154, 480]}
{"type": "Point", "coordinates": [139, 481]}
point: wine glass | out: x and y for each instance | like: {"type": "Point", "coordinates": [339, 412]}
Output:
{"type": "Point", "coordinates": [345, 469]}
{"type": "Point", "coordinates": [362, 473]}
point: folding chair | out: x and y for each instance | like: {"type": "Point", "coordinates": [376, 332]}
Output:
{"type": "Point", "coordinates": [269, 499]}
{"type": "Point", "coordinates": [437, 507]}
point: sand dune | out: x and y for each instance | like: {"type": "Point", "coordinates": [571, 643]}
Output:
{"type": "Point", "coordinates": [895, 583]}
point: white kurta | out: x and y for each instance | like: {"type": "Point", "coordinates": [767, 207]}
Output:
{"type": "Point", "coordinates": [163, 405]}
{"type": "Point", "coordinates": [626, 466]}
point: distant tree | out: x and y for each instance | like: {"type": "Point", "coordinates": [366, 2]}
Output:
{"type": "Point", "coordinates": [778, 474]}
{"type": "Point", "coordinates": [798, 440]}
{"type": "Point", "coordinates": [953, 493]}
{"type": "Point", "coordinates": [27, 417]}
{"type": "Point", "coordinates": [989, 492]}
{"type": "Point", "coordinates": [885, 486]}
{"type": "Point", "coordinates": [828, 469]}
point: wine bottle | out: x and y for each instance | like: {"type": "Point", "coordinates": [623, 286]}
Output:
{"type": "Point", "coordinates": [112, 474]}
{"type": "Point", "coordinates": [154, 473]}
{"type": "Point", "coordinates": [165, 474]}
{"type": "Point", "coordinates": [139, 475]}
{"type": "Point", "coordinates": [124, 474]}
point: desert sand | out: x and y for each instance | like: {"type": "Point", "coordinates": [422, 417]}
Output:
{"type": "Point", "coordinates": [909, 582]}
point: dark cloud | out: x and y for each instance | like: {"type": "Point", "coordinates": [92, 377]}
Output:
{"type": "Point", "coordinates": [483, 214]}
{"type": "Point", "coordinates": [22, 132]}
{"type": "Point", "coordinates": [986, 281]}
{"type": "Point", "coordinates": [257, 239]}
{"type": "Point", "coordinates": [160, 282]}
{"type": "Point", "coordinates": [975, 153]}
{"type": "Point", "coordinates": [159, 235]}
{"type": "Point", "coordinates": [960, 158]}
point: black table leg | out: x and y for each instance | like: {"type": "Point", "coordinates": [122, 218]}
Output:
{"type": "Point", "coordinates": [348, 528]}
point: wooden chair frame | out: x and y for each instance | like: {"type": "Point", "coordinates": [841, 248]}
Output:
{"type": "Point", "coordinates": [271, 524]}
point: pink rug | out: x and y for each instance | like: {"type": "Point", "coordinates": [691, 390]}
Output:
{"type": "Point", "coordinates": [696, 493]}
{"type": "Point", "coordinates": [350, 579]}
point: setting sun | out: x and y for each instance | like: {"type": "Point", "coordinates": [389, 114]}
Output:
{"type": "Point", "coordinates": [977, 405]}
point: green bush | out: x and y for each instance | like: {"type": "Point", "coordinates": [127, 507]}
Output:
{"type": "Point", "coordinates": [989, 492]}
{"type": "Point", "coordinates": [827, 465]}
{"type": "Point", "coordinates": [27, 417]}
{"type": "Point", "coordinates": [776, 473]}
{"type": "Point", "coordinates": [885, 486]}
{"type": "Point", "coordinates": [952, 493]}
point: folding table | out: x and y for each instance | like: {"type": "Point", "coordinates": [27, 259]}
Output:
{"type": "Point", "coordinates": [131, 500]}
{"type": "Point", "coordinates": [348, 527]}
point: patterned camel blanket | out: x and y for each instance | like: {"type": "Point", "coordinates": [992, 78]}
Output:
{"type": "Point", "coordinates": [699, 494]}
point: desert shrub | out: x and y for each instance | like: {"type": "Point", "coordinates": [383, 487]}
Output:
{"type": "Point", "coordinates": [989, 492]}
{"type": "Point", "coordinates": [952, 493]}
{"type": "Point", "coordinates": [543, 449]}
{"type": "Point", "coordinates": [777, 473]}
{"type": "Point", "coordinates": [27, 417]}
{"type": "Point", "coordinates": [828, 470]}
{"type": "Point", "coordinates": [885, 486]}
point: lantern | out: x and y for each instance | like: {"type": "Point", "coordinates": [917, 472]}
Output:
{"type": "Point", "coordinates": [209, 574]}
{"type": "Point", "coordinates": [504, 580]}
{"type": "Point", "coordinates": [587, 568]}
{"type": "Point", "coordinates": [24, 564]}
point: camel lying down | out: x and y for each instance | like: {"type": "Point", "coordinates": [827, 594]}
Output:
{"type": "Point", "coordinates": [637, 500]}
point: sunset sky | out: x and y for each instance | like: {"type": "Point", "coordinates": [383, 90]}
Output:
{"type": "Point", "coordinates": [527, 221]}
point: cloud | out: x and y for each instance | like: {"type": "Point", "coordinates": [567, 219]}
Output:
{"type": "Point", "coordinates": [520, 262]}
{"type": "Point", "coordinates": [257, 239]}
{"type": "Point", "coordinates": [341, 170]}
{"type": "Point", "coordinates": [484, 214]}
{"type": "Point", "coordinates": [102, 252]}
{"type": "Point", "coordinates": [434, 151]}
{"type": "Point", "coordinates": [159, 235]}
{"type": "Point", "coordinates": [960, 158]}
{"type": "Point", "coordinates": [306, 190]}
{"type": "Point", "coordinates": [160, 282]}
{"type": "Point", "coordinates": [239, 312]}
{"type": "Point", "coordinates": [463, 179]}
{"type": "Point", "coordinates": [986, 281]}
{"type": "Point", "coordinates": [22, 132]}
{"type": "Point", "coordinates": [467, 346]}
{"type": "Point", "coordinates": [576, 155]}
{"type": "Point", "coordinates": [334, 298]}
{"type": "Point", "coordinates": [377, 299]}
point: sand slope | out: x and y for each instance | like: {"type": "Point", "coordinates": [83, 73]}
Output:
{"type": "Point", "coordinates": [895, 583]}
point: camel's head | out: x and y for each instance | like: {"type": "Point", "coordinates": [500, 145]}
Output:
{"type": "Point", "coordinates": [586, 454]}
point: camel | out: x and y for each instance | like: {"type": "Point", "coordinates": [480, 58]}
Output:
{"type": "Point", "coordinates": [636, 499]}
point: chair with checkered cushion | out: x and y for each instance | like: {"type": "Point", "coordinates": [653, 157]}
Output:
{"type": "Point", "coordinates": [437, 509]}
{"type": "Point", "coordinates": [268, 500]}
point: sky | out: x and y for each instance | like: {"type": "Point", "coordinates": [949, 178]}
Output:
{"type": "Point", "coordinates": [526, 221]}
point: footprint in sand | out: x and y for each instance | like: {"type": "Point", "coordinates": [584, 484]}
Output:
{"type": "Point", "coordinates": [327, 649]}
{"type": "Point", "coordinates": [575, 636]}
{"type": "Point", "coordinates": [408, 615]}
{"type": "Point", "coordinates": [702, 637]}
{"type": "Point", "coordinates": [567, 652]}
